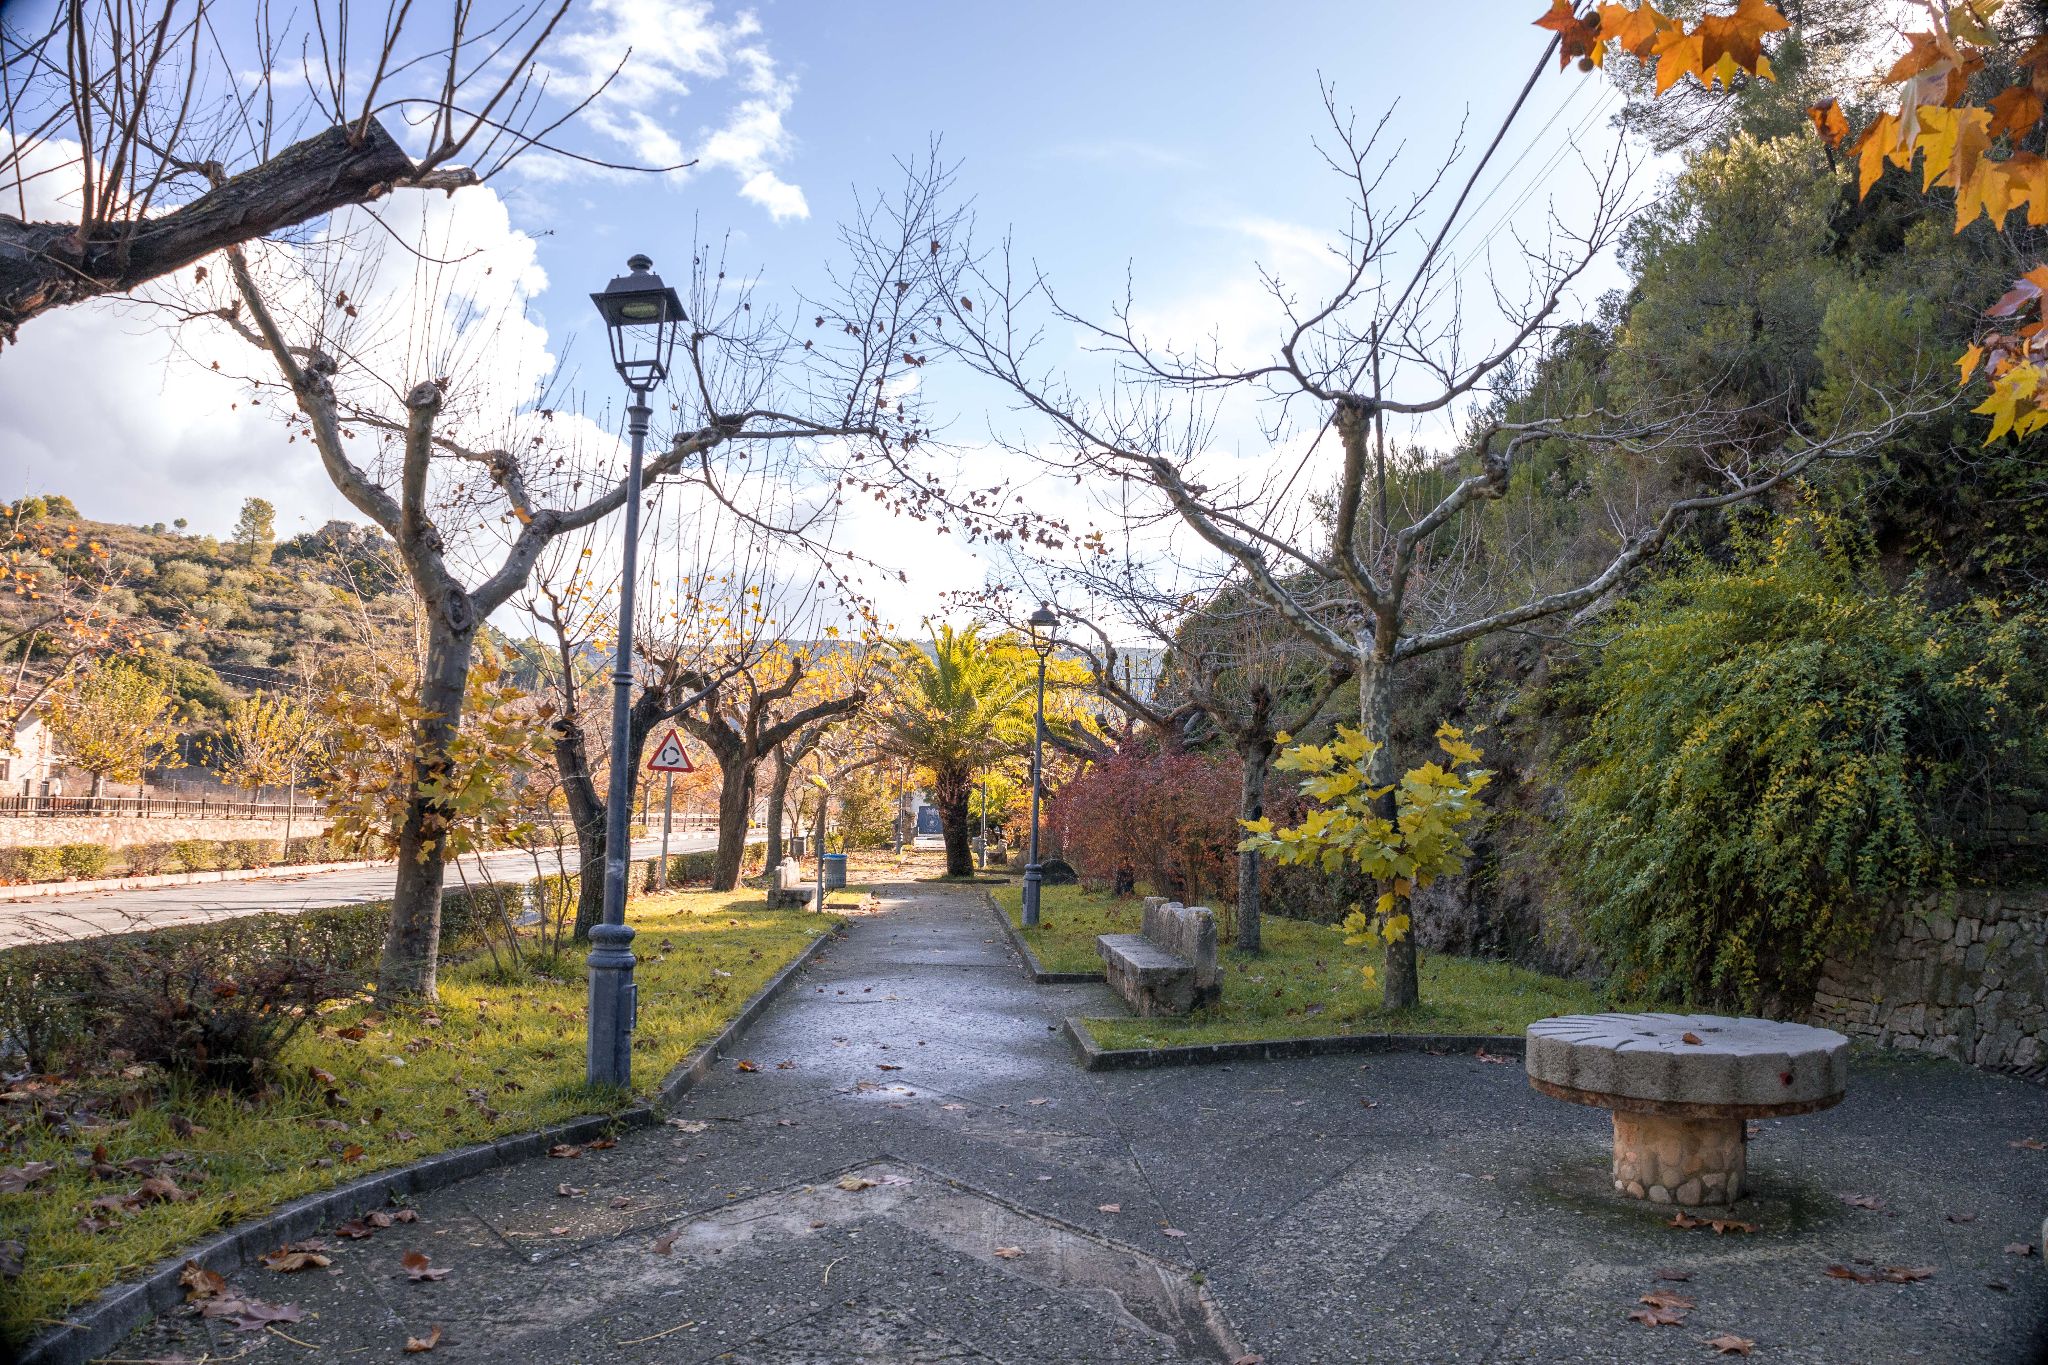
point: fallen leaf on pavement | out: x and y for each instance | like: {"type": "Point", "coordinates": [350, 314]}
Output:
{"type": "Point", "coordinates": [1109, 1208]}
{"type": "Point", "coordinates": [1863, 1201]}
{"type": "Point", "coordinates": [1692, 1038]}
{"type": "Point", "coordinates": [1674, 1275]}
{"type": "Point", "coordinates": [1907, 1274]}
{"type": "Point", "coordinates": [562, 1231]}
{"type": "Point", "coordinates": [2029, 1145]}
{"type": "Point", "coordinates": [887, 1066]}
{"type": "Point", "coordinates": [1009, 1253]}
{"type": "Point", "coordinates": [201, 1283]}
{"type": "Point", "coordinates": [1728, 1344]}
{"type": "Point", "coordinates": [622, 1201]}
{"type": "Point", "coordinates": [1843, 1272]}
{"type": "Point", "coordinates": [688, 1125]}
{"type": "Point", "coordinates": [298, 1256]}
{"type": "Point", "coordinates": [1172, 1232]}
{"type": "Point", "coordinates": [856, 1182]}
{"type": "Point", "coordinates": [1038, 1101]}
{"type": "Point", "coordinates": [355, 1229]}
{"type": "Point", "coordinates": [384, 1218]}
{"type": "Point", "coordinates": [744, 1066]}
{"type": "Point", "coordinates": [953, 1108]}
{"type": "Point", "coordinates": [419, 1266]}
{"type": "Point", "coordinates": [565, 1150]}
{"type": "Point", "coordinates": [665, 1244]}
{"type": "Point", "coordinates": [414, 1345]}
{"type": "Point", "coordinates": [571, 1191]}
{"type": "Point", "coordinates": [602, 1144]}
{"type": "Point", "coordinates": [1656, 1317]}
{"type": "Point", "coordinates": [1659, 1298]}
{"type": "Point", "coordinates": [1724, 1225]}
{"type": "Point", "coordinates": [1483, 1055]}
{"type": "Point", "coordinates": [1962, 1217]}
{"type": "Point", "coordinates": [2020, 1248]}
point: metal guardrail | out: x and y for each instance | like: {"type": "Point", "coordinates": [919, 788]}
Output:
{"type": "Point", "coordinates": [228, 808]}
{"type": "Point", "coordinates": [155, 807]}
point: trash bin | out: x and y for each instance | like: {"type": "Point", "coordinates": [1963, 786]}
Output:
{"type": "Point", "coordinates": [797, 844]}
{"type": "Point", "coordinates": [835, 871]}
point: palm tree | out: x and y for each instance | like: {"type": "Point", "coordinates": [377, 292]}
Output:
{"type": "Point", "coordinates": [954, 709]}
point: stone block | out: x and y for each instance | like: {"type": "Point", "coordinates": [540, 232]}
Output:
{"type": "Point", "coordinates": [1170, 968]}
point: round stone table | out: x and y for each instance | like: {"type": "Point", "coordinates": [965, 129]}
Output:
{"type": "Point", "coordinates": [1681, 1086]}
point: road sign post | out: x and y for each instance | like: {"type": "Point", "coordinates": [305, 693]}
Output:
{"type": "Point", "coordinates": [670, 758]}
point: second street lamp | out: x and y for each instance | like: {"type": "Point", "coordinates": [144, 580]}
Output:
{"type": "Point", "coordinates": [1043, 623]}
{"type": "Point", "coordinates": [641, 319]}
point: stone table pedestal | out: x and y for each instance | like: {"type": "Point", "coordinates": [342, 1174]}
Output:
{"type": "Point", "coordinates": [1681, 1087]}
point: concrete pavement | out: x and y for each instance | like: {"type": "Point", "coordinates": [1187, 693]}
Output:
{"type": "Point", "coordinates": [916, 1170]}
{"type": "Point", "coordinates": [89, 915]}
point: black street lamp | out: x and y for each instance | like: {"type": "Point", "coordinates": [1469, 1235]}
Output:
{"type": "Point", "coordinates": [641, 318]}
{"type": "Point", "coordinates": [1043, 623]}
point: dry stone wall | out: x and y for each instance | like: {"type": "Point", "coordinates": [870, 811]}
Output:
{"type": "Point", "coordinates": [121, 831]}
{"type": "Point", "coordinates": [1967, 979]}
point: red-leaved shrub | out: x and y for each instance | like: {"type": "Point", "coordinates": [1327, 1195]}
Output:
{"type": "Point", "coordinates": [1166, 820]}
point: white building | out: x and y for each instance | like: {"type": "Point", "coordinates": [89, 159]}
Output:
{"type": "Point", "coordinates": [31, 766]}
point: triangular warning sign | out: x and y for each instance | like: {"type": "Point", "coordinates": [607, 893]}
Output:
{"type": "Point", "coordinates": [672, 757]}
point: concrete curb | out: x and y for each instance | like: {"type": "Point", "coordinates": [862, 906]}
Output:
{"type": "Point", "coordinates": [281, 872]}
{"type": "Point", "coordinates": [96, 1327]}
{"type": "Point", "coordinates": [1097, 1058]}
{"type": "Point", "coordinates": [1035, 970]}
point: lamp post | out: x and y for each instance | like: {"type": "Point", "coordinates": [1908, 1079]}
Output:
{"type": "Point", "coordinates": [1042, 623]}
{"type": "Point", "coordinates": [641, 318]}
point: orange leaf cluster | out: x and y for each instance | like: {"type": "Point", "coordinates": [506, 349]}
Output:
{"type": "Point", "coordinates": [1713, 50]}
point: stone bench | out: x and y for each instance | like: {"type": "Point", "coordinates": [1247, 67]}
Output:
{"type": "Point", "coordinates": [1170, 968]}
{"type": "Point", "coordinates": [1681, 1088]}
{"type": "Point", "coordinates": [789, 887]}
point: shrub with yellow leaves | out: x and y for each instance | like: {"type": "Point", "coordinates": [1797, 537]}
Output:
{"type": "Point", "coordinates": [1402, 844]}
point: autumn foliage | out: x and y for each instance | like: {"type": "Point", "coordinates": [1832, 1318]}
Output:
{"type": "Point", "coordinates": [1965, 139]}
{"type": "Point", "coordinates": [1168, 819]}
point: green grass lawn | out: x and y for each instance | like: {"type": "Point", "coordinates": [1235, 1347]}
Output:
{"type": "Point", "coordinates": [504, 1057]}
{"type": "Point", "coordinates": [1305, 983]}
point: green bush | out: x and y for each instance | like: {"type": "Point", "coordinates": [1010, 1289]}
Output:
{"type": "Point", "coordinates": [150, 860]}
{"type": "Point", "coordinates": [42, 991]}
{"type": "Point", "coordinates": [84, 861]}
{"type": "Point", "coordinates": [196, 855]}
{"type": "Point", "coordinates": [311, 849]}
{"type": "Point", "coordinates": [31, 864]}
{"type": "Point", "coordinates": [252, 852]}
{"type": "Point", "coordinates": [1776, 754]}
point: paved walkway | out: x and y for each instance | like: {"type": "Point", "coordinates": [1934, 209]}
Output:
{"type": "Point", "coordinates": [90, 914]}
{"type": "Point", "coordinates": [918, 1172]}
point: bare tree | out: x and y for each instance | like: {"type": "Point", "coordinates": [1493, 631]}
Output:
{"type": "Point", "coordinates": [473, 481]}
{"type": "Point", "coordinates": [183, 127]}
{"type": "Point", "coordinates": [1334, 558]}
{"type": "Point", "coordinates": [1225, 659]}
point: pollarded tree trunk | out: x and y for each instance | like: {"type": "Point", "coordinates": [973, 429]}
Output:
{"type": "Point", "coordinates": [1257, 755]}
{"type": "Point", "coordinates": [778, 801]}
{"type": "Point", "coordinates": [586, 815]}
{"type": "Point", "coordinates": [735, 802]}
{"type": "Point", "coordinates": [951, 793]}
{"type": "Point", "coordinates": [411, 946]}
{"type": "Point", "coordinates": [1401, 986]}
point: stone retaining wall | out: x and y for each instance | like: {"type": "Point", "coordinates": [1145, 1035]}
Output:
{"type": "Point", "coordinates": [1967, 980]}
{"type": "Point", "coordinates": [124, 831]}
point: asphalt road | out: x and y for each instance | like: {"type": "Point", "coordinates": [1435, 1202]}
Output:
{"type": "Point", "coordinates": [90, 914]}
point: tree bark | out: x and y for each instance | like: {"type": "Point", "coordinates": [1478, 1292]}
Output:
{"type": "Point", "coordinates": [1400, 983]}
{"type": "Point", "coordinates": [1257, 754]}
{"type": "Point", "coordinates": [778, 799]}
{"type": "Point", "coordinates": [586, 816]}
{"type": "Point", "coordinates": [48, 265]}
{"type": "Point", "coordinates": [735, 801]}
{"type": "Point", "coordinates": [951, 793]}
{"type": "Point", "coordinates": [411, 945]}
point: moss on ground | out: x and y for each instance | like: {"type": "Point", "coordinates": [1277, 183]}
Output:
{"type": "Point", "coordinates": [501, 1053]}
{"type": "Point", "coordinates": [1306, 983]}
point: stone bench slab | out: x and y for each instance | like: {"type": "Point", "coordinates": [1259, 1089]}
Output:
{"type": "Point", "coordinates": [1136, 953]}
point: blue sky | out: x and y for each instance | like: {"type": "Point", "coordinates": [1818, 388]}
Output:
{"type": "Point", "coordinates": [1175, 141]}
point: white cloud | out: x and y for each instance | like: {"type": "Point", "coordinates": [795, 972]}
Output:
{"type": "Point", "coordinates": [651, 55]}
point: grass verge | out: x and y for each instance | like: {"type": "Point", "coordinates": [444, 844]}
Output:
{"type": "Point", "coordinates": [1305, 984]}
{"type": "Point", "coordinates": [501, 1053]}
